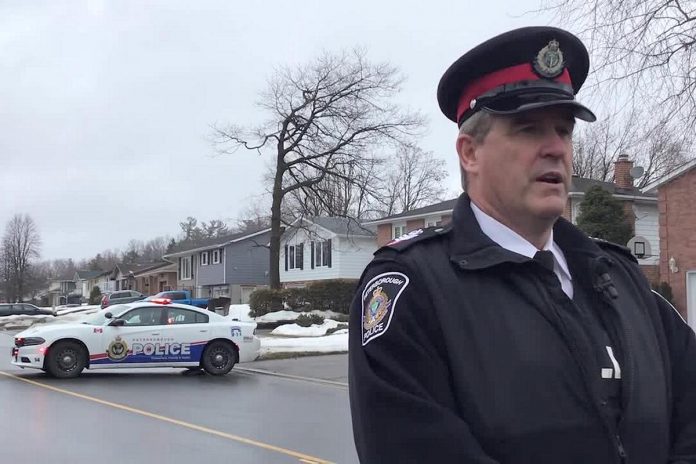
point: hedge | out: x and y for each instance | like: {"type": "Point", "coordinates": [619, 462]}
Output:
{"type": "Point", "coordinates": [332, 295]}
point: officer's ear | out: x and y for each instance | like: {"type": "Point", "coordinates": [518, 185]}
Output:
{"type": "Point", "coordinates": [466, 149]}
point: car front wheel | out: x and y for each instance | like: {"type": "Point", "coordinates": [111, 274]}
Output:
{"type": "Point", "coordinates": [66, 360]}
{"type": "Point", "coordinates": [219, 358]}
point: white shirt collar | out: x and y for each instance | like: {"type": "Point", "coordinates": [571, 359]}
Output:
{"type": "Point", "coordinates": [511, 240]}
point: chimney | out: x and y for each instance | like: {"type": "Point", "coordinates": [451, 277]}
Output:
{"type": "Point", "coordinates": [622, 172]}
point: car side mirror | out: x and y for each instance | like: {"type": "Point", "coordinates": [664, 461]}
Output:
{"type": "Point", "coordinates": [117, 323]}
{"type": "Point", "coordinates": [108, 315]}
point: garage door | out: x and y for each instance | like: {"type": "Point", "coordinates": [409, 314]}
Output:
{"type": "Point", "coordinates": [691, 298]}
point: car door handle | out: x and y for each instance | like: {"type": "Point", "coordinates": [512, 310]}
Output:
{"type": "Point", "coordinates": [155, 334]}
{"type": "Point", "coordinates": [204, 330]}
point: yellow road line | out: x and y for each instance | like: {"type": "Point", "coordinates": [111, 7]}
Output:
{"type": "Point", "coordinates": [302, 457]}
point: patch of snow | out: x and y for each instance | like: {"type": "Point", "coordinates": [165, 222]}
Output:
{"type": "Point", "coordinates": [77, 309]}
{"type": "Point", "coordinates": [294, 330]}
{"type": "Point", "coordinates": [286, 315]}
{"type": "Point", "coordinates": [276, 316]}
{"type": "Point", "coordinates": [240, 312]}
{"type": "Point", "coordinates": [330, 343]}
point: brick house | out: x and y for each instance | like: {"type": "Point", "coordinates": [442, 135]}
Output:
{"type": "Point", "coordinates": [640, 207]}
{"type": "Point", "coordinates": [677, 229]}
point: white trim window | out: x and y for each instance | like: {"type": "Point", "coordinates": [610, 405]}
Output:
{"type": "Point", "coordinates": [204, 258]}
{"type": "Point", "coordinates": [433, 221]}
{"type": "Point", "coordinates": [398, 230]}
{"type": "Point", "coordinates": [294, 257]}
{"type": "Point", "coordinates": [322, 253]}
{"type": "Point", "coordinates": [216, 256]}
{"type": "Point", "coordinates": [185, 268]}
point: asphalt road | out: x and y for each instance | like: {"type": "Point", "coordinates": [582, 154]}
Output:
{"type": "Point", "coordinates": [159, 415]}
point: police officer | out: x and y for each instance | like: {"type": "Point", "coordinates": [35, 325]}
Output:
{"type": "Point", "coordinates": [509, 336]}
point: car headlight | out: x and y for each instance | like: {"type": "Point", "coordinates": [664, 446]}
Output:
{"type": "Point", "coordinates": [29, 341]}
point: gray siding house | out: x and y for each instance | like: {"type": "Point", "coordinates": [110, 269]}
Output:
{"type": "Point", "coordinates": [231, 266]}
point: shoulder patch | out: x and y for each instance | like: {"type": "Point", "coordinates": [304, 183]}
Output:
{"type": "Point", "coordinates": [378, 303]}
{"type": "Point", "coordinates": [416, 236]}
{"type": "Point", "coordinates": [622, 250]}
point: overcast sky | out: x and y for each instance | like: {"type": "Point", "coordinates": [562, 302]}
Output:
{"type": "Point", "coordinates": [106, 106]}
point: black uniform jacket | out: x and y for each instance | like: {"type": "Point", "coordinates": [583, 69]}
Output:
{"type": "Point", "coordinates": [464, 352]}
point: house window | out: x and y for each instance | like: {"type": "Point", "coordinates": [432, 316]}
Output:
{"type": "Point", "coordinates": [432, 221]}
{"type": "Point", "coordinates": [204, 258]}
{"type": "Point", "coordinates": [322, 253]}
{"type": "Point", "coordinates": [639, 249]}
{"type": "Point", "coordinates": [398, 230]}
{"type": "Point", "coordinates": [185, 270]}
{"type": "Point", "coordinates": [216, 256]}
{"type": "Point", "coordinates": [294, 257]}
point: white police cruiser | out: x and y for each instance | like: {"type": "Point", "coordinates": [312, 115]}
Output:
{"type": "Point", "coordinates": [144, 334]}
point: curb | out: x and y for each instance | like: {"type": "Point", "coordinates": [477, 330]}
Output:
{"type": "Point", "coordinates": [292, 377]}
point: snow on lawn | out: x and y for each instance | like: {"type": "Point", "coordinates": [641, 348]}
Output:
{"type": "Point", "coordinates": [327, 344]}
{"type": "Point", "coordinates": [77, 309]}
{"type": "Point", "coordinates": [19, 321]}
{"type": "Point", "coordinates": [314, 330]}
{"type": "Point", "coordinates": [241, 312]}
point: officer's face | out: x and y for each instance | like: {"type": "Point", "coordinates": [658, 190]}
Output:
{"type": "Point", "coordinates": [521, 171]}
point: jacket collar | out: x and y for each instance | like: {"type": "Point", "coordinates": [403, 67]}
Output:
{"type": "Point", "coordinates": [471, 249]}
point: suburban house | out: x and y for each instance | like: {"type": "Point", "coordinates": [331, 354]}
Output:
{"type": "Point", "coordinates": [104, 282]}
{"type": "Point", "coordinates": [59, 292]}
{"type": "Point", "coordinates": [677, 234]}
{"type": "Point", "coordinates": [323, 248]}
{"type": "Point", "coordinates": [158, 277]}
{"type": "Point", "coordinates": [232, 266]}
{"type": "Point", "coordinates": [641, 209]}
{"type": "Point", "coordinates": [85, 281]}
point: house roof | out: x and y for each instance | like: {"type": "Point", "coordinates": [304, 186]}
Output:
{"type": "Point", "coordinates": [213, 242]}
{"type": "Point", "coordinates": [442, 207]}
{"type": "Point", "coordinates": [343, 226]}
{"type": "Point", "coordinates": [86, 275]}
{"type": "Point", "coordinates": [154, 268]}
{"type": "Point", "coordinates": [578, 187]}
{"type": "Point", "coordinates": [683, 169]}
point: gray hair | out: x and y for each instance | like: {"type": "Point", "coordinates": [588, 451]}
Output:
{"type": "Point", "coordinates": [477, 127]}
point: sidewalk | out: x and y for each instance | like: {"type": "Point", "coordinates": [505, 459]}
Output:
{"type": "Point", "coordinates": [332, 367]}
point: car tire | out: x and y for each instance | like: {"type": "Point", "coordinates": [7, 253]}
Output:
{"type": "Point", "coordinates": [66, 360]}
{"type": "Point", "coordinates": [219, 358]}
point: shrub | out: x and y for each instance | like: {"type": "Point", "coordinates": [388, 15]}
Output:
{"type": "Point", "coordinates": [331, 295]}
{"type": "Point", "coordinates": [265, 300]}
{"type": "Point", "coordinates": [95, 296]}
{"type": "Point", "coordinates": [295, 298]}
{"type": "Point", "coordinates": [305, 320]}
{"type": "Point", "coordinates": [337, 328]}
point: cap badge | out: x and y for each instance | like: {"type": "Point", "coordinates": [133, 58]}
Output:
{"type": "Point", "coordinates": [549, 61]}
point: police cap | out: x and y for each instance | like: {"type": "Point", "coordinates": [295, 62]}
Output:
{"type": "Point", "coordinates": [520, 70]}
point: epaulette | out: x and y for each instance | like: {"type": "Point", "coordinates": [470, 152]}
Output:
{"type": "Point", "coordinates": [611, 246]}
{"type": "Point", "coordinates": [416, 236]}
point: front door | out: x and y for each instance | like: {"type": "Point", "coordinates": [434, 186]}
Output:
{"type": "Point", "coordinates": [137, 343]}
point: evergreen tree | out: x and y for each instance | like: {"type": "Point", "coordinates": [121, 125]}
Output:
{"type": "Point", "coordinates": [602, 216]}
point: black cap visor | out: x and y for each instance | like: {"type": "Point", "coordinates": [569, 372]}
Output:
{"type": "Point", "coordinates": [513, 104]}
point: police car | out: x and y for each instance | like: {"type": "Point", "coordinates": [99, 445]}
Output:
{"type": "Point", "coordinates": [155, 333]}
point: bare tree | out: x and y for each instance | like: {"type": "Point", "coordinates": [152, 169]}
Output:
{"type": "Point", "coordinates": [413, 180]}
{"type": "Point", "coordinates": [661, 150]}
{"type": "Point", "coordinates": [254, 217]}
{"type": "Point", "coordinates": [326, 117]}
{"type": "Point", "coordinates": [20, 246]}
{"type": "Point", "coordinates": [650, 45]}
{"type": "Point", "coordinates": [654, 145]}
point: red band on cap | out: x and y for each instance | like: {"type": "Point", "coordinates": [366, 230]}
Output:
{"type": "Point", "coordinates": [511, 75]}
